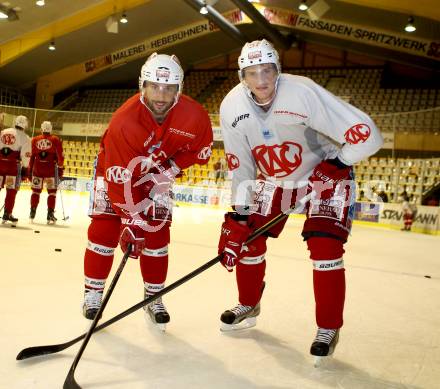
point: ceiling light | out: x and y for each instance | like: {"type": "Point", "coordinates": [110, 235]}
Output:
{"type": "Point", "coordinates": [40, 3]}
{"type": "Point", "coordinates": [123, 19]}
{"type": "Point", "coordinates": [52, 46]}
{"type": "Point", "coordinates": [410, 26]}
{"type": "Point", "coordinates": [203, 10]}
{"type": "Point", "coordinates": [303, 6]}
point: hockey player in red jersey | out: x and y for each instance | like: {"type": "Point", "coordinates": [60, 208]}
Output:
{"type": "Point", "coordinates": [15, 151]}
{"type": "Point", "coordinates": [46, 167]}
{"type": "Point", "coordinates": [300, 141]}
{"type": "Point", "coordinates": [150, 139]}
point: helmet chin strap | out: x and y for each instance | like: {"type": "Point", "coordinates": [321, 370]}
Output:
{"type": "Point", "coordinates": [251, 96]}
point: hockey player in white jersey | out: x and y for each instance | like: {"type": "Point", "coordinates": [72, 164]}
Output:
{"type": "Point", "coordinates": [287, 138]}
{"type": "Point", "coordinates": [15, 152]}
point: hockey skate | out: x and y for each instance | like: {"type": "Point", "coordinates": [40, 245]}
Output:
{"type": "Point", "coordinates": [156, 312]}
{"type": "Point", "coordinates": [92, 303]}
{"type": "Point", "coordinates": [32, 215]}
{"type": "Point", "coordinates": [324, 344]}
{"type": "Point", "coordinates": [240, 317]}
{"type": "Point", "coordinates": [7, 217]}
{"type": "Point", "coordinates": [51, 219]}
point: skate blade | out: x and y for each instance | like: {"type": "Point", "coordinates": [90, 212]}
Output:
{"type": "Point", "coordinates": [31, 221]}
{"type": "Point", "coordinates": [162, 327]}
{"type": "Point", "coordinates": [321, 360]}
{"type": "Point", "coordinates": [243, 325]}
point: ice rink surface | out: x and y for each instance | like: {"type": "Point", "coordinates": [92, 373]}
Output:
{"type": "Point", "coordinates": [391, 336]}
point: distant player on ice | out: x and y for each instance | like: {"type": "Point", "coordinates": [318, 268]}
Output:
{"type": "Point", "coordinates": [150, 139]}
{"type": "Point", "coordinates": [46, 167]}
{"type": "Point", "coordinates": [15, 151]}
{"type": "Point", "coordinates": [287, 138]}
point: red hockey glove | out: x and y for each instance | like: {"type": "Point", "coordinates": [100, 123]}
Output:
{"type": "Point", "coordinates": [233, 235]}
{"type": "Point", "coordinates": [60, 172]}
{"type": "Point", "coordinates": [326, 176]}
{"type": "Point", "coordinates": [134, 234]}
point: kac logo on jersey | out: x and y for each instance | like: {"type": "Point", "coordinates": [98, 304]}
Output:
{"type": "Point", "coordinates": [233, 161]}
{"type": "Point", "coordinates": [118, 174]}
{"type": "Point", "coordinates": [44, 144]}
{"type": "Point", "coordinates": [278, 160]}
{"type": "Point", "coordinates": [359, 133]}
{"type": "Point", "coordinates": [8, 139]}
{"type": "Point", "coordinates": [205, 153]}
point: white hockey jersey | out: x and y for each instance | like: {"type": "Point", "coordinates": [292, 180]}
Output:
{"type": "Point", "coordinates": [19, 145]}
{"type": "Point", "coordinates": [305, 124]}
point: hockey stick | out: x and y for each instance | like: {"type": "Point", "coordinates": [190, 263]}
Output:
{"type": "Point", "coordinates": [62, 206]}
{"type": "Point", "coordinates": [70, 379]}
{"type": "Point", "coordinates": [55, 348]}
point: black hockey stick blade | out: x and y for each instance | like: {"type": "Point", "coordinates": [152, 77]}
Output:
{"type": "Point", "coordinates": [35, 351]}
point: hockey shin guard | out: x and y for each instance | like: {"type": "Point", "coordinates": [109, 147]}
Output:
{"type": "Point", "coordinates": [328, 280]}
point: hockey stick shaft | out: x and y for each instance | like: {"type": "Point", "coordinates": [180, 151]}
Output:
{"type": "Point", "coordinates": [62, 205]}
{"type": "Point", "coordinates": [51, 349]}
{"type": "Point", "coordinates": [70, 378]}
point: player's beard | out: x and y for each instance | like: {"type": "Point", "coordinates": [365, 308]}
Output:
{"type": "Point", "coordinates": [158, 108]}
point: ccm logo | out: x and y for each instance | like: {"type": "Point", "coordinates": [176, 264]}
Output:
{"type": "Point", "coordinates": [118, 174]}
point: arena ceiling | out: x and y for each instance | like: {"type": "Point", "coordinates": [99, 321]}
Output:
{"type": "Point", "coordinates": [78, 29]}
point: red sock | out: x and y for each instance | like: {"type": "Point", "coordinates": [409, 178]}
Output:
{"type": "Point", "coordinates": [10, 200]}
{"type": "Point", "coordinates": [35, 199]}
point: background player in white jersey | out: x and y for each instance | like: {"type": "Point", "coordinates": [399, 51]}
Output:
{"type": "Point", "coordinates": [298, 140]}
{"type": "Point", "coordinates": [15, 151]}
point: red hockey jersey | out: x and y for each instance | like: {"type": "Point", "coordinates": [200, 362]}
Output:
{"type": "Point", "coordinates": [134, 138]}
{"type": "Point", "coordinates": [47, 152]}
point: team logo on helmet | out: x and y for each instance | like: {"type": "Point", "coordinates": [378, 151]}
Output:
{"type": "Point", "coordinates": [278, 160]}
{"type": "Point", "coordinates": [233, 161]}
{"type": "Point", "coordinates": [359, 133]}
{"type": "Point", "coordinates": [8, 139]}
{"type": "Point", "coordinates": [118, 174]}
{"type": "Point", "coordinates": [162, 73]}
{"type": "Point", "coordinates": [254, 54]}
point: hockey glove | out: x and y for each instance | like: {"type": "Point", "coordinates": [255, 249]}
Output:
{"type": "Point", "coordinates": [133, 234]}
{"type": "Point", "coordinates": [326, 176]}
{"type": "Point", "coordinates": [233, 235]}
{"type": "Point", "coordinates": [60, 172]}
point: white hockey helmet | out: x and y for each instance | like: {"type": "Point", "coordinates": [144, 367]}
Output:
{"type": "Point", "coordinates": [255, 53]}
{"type": "Point", "coordinates": [162, 68]}
{"type": "Point", "coordinates": [46, 127]}
{"type": "Point", "coordinates": [21, 121]}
